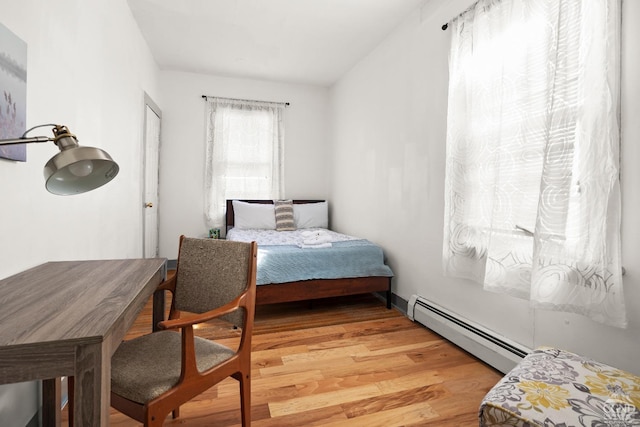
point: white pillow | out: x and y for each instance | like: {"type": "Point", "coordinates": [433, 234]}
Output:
{"type": "Point", "coordinates": [254, 215]}
{"type": "Point", "coordinates": [311, 215]}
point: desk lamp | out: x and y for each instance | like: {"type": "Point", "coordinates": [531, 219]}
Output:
{"type": "Point", "coordinates": [74, 169]}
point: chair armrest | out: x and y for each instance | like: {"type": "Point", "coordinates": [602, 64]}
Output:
{"type": "Point", "coordinates": [169, 284]}
{"type": "Point", "coordinates": [203, 317]}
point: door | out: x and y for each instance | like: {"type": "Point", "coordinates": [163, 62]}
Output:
{"type": "Point", "coordinates": [152, 119]}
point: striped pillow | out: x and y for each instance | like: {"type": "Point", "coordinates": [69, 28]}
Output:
{"type": "Point", "coordinates": [284, 215]}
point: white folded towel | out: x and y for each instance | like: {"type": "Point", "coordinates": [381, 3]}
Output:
{"type": "Point", "coordinates": [317, 240]}
{"type": "Point", "coordinates": [316, 237]}
{"type": "Point", "coordinates": [313, 233]}
{"type": "Point", "coordinates": [315, 246]}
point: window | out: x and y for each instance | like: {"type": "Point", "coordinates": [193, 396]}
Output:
{"type": "Point", "coordinates": [532, 191]}
{"type": "Point", "coordinates": [244, 158]}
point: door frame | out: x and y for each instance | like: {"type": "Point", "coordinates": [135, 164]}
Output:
{"type": "Point", "coordinates": [148, 102]}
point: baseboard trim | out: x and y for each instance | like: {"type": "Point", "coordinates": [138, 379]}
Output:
{"type": "Point", "coordinates": [35, 420]}
{"type": "Point", "coordinates": [396, 302]}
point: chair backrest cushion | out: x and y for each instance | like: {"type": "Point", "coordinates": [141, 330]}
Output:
{"type": "Point", "coordinates": [211, 273]}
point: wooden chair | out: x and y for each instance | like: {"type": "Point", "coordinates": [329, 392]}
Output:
{"type": "Point", "coordinates": [153, 375]}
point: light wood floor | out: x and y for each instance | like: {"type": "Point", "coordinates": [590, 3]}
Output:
{"type": "Point", "coordinates": [341, 362]}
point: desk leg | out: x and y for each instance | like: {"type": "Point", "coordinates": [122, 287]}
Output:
{"type": "Point", "coordinates": [92, 386]}
{"type": "Point", "coordinates": [51, 402]}
{"type": "Point", "coordinates": [158, 309]}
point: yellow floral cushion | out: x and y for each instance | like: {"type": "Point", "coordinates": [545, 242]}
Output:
{"type": "Point", "coordinates": [556, 388]}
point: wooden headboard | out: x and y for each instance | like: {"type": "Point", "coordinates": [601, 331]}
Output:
{"type": "Point", "coordinates": [230, 214]}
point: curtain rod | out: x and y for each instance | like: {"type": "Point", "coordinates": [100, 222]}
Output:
{"type": "Point", "coordinates": [446, 24]}
{"type": "Point", "coordinates": [246, 100]}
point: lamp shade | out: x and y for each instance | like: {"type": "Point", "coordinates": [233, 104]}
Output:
{"type": "Point", "coordinates": [79, 169]}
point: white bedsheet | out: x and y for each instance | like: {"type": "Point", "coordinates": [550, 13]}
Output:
{"type": "Point", "coordinates": [273, 237]}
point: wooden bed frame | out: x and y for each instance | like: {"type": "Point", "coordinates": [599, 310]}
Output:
{"type": "Point", "coordinates": [315, 288]}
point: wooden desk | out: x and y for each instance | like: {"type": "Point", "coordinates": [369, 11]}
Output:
{"type": "Point", "coordinates": [66, 319]}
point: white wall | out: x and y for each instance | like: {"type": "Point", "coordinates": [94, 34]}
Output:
{"type": "Point", "coordinates": [388, 115]}
{"type": "Point", "coordinates": [88, 68]}
{"type": "Point", "coordinates": [183, 145]}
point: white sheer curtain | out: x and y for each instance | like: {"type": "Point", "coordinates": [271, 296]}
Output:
{"type": "Point", "coordinates": [532, 199]}
{"type": "Point", "coordinates": [244, 155]}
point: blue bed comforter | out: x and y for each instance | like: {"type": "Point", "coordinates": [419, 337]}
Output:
{"type": "Point", "coordinates": [289, 263]}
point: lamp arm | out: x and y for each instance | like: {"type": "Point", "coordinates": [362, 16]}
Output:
{"type": "Point", "coordinates": [23, 140]}
{"type": "Point", "coordinates": [24, 135]}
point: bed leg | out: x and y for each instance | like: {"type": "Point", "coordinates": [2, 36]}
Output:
{"type": "Point", "coordinates": [389, 295]}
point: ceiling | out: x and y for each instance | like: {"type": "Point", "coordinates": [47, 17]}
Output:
{"type": "Point", "coordinates": [295, 41]}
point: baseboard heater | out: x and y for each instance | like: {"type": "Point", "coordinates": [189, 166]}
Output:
{"type": "Point", "coordinates": [495, 350]}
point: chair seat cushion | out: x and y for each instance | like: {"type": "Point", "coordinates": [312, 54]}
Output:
{"type": "Point", "coordinates": [553, 387]}
{"type": "Point", "coordinates": [145, 367]}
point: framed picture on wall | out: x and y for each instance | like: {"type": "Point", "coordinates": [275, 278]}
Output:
{"type": "Point", "coordinates": [13, 93]}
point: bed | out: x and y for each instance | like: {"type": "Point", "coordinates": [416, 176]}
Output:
{"type": "Point", "coordinates": [290, 271]}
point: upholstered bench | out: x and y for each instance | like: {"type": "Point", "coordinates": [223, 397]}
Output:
{"type": "Point", "coordinates": [554, 388]}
